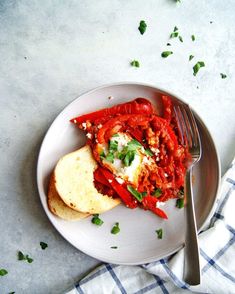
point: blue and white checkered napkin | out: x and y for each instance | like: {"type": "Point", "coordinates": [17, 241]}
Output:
{"type": "Point", "coordinates": [217, 250]}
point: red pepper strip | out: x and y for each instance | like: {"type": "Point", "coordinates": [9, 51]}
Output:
{"type": "Point", "coordinates": [119, 122]}
{"type": "Point", "coordinates": [149, 202]}
{"type": "Point", "coordinates": [167, 104]}
{"type": "Point", "coordinates": [123, 193]}
{"type": "Point", "coordinates": [99, 177]}
{"type": "Point", "coordinates": [139, 105]}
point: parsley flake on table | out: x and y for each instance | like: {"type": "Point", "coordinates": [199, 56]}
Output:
{"type": "Point", "coordinates": [174, 35]}
{"type": "Point", "coordinates": [191, 57]}
{"type": "Point", "coordinates": [113, 247]}
{"type": "Point", "coordinates": [168, 44]}
{"type": "Point", "coordinates": [115, 230]}
{"type": "Point", "coordinates": [3, 272]}
{"type": "Point", "coordinates": [135, 63]}
{"type": "Point", "coordinates": [193, 38]}
{"type": "Point", "coordinates": [223, 76]}
{"type": "Point", "coordinates": [159, 233]}
{"type": "Point", "coordinates": [43, 245]}
{"type": "Point", "coordinates": [142, 27]}
{"type": "Point", "coordinates": [26, 257]}
{"type": "Point", "coordinates": [166, 53]}
{"type": "Point", "coordinates": [181, 39]}
{"type": "Point", "coordinates": [197, 67]}
{"type": "Point", "coordinates": [96, 220]}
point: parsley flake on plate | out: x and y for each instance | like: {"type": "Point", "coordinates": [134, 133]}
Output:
{"type": "Point", "coordinates": [159, 233]}
{"type": "Point", "coordinates": [142, 27]}
{"type": "Point", "coordinates": [115, 230]}
{"type": "Point", "coordinates": [135, 63]}
{"type": "Point", "coordinates": [180, 203]}
{"type": "Point", "coordinates": [26, 257]}
{"type": "Point", "coordinates": [193, 38]}
{"type": "Point", "coordinates": [223, 76]}
{"type": "Point", "coordinates": [43, 245]}
{"type": "Point", "coordinates": [166, 53]}
{"type": "Point", "coordinates": [181, 39]}
{"type": "Point", "coordinates": [139, 196]}
{"type": "Point", "coordinates": [113, 247]}
{"type": "Point", "coordinates": [174, 35]}
{"type": "Point", "coordinates": [96, 220]}
{"type": "Point", "coordinates": [197, 67]}
{"type": "Point", "coordinates": [191, 57]}
{"type": "Point", "coordinates": [3, 272]}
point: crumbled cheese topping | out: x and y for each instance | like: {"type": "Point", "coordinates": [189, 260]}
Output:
{"type": "Point", "coordinates": [89, 135]}
{"type": "Point", "coordinates": [75, 121]}
{"type": "Point", "coordinates": [99, 126]}
{"type": "Point", "coordinates": [120, 181]}
{"type": "Point", "coordinates": [110, 181]}
{"type": "Point", "coordinates": [155, 150]}
{"type": "Point", "coordinates": [159, 203]}
{"type": "Point", "coordinates": [84, 125]}
{"type": "Point", "coordinates": [166, 175]}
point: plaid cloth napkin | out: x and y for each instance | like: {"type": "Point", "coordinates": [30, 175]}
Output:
{"type": "Point", "coordinates": [217, 253]}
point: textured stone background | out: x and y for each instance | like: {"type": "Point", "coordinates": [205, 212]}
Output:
{"type": "Point", "coordinates": [52, 51]}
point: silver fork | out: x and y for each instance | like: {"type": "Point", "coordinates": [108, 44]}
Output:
{"type": "Point", "coordinates": [190, 137]}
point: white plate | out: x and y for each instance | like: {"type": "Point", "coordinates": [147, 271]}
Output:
{"type": "Point", "coordinates": [137, 242]}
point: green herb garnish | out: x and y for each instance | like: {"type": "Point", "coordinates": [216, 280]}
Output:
{"type": "Point", "coordinates": [115, 135]}
{"type": "Point", "coordinates": [113, 145]}
{"type": "Point", "coordinates": [102, 155]}
{"type": "Point", "coordinates": [175, 29]}
{"type": "Point", "coordinates": [159, 233]}
{"type": "Point", "coordinates": [168, 44]}
{"type": "Point", "coordinates": [139, 196]}
{"type": "Point", "coordinates": [166, 54]}
{"type": "Point", "coordinates": [135, 63]}
{"type": "Point", "coordinates": [181, 39]}
{"type": "Point", "coordinates": [223, 76]}
{"type": "Point", "coordinates": [134, 144]}
{"type": "Point", "coordinates": [115, 230]}
{"type": "Point", "coordinates": [113, 247]}
{"type": "Point", "coordinates": [148, 152]}
{"type": "Point", "coordinates": [110, 157]}
{"type": "Point", "coordinates": [190, 57]}
{"type": "Point", "coordinates": [11, 293]}
{"type": "Point", "coordinates": [142, 27]}
{"type": "Point", "coordinates": [3, 272]}
{"type": "Point", "coordinates": [26, 257]}
{"type": "Point", "coordinates": [180, 203]}
{"type": "Point", "coordinates": [174, 35]}
{"type": "Point", "coordinates": [96, 220]}
{"type": "Point", "coordinates": [43, 245]}
{"type": "Point", "coordinates": [193, 38]}
{"type": "Point", "coordinates": [157, 192]}
{"type": "Point", "coordinates": [197, 66]}
{"type": "Point", "coordinates": [129, 157]}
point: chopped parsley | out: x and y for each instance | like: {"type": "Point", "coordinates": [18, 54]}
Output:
{"type": "Point", "coordinates": [175, 29]}
{"type": "Point", "coordinates": [115, 230]}
{"type": "Point", "coordinates": [43, 245]}
{"type": "Point", "coordinates": [115, 135]}
{"type": "Point", "coordinates": [180, 203]}
{"type": "Point", "coordinates": [102, 155]}
{"type": "Point", "coordinates": [113, 145]}
{"type": "Point", "coordinates": [96, 220]}
{"type": "Point", "coordinates": [26, 257]}
{"type": "Point", "coordinates": [113, 247]}
{"type": "Point", "coordinates": [190, 57]}
{"type": "Point", "coordinates": [134, 144]}
{"type": "Point", "coordinates": [142, 27]}
{"type": "Point", "coordinates": [159, 233]}
{"type": "Point", "coordinates": [157, 192]}
{"type": "Point", "coordinates": [168, 44]}
{"type": "Point", "coordinates": [181, 39]}
{"type": "Point", "coordinates": [139, 196]}
{"type": "Point", "coordinates": [193, 38]}
{"type": "Point", "coordinates": [135, 63]}
{"type": "Point", "coordinates": [110, 157]}
{"type": "Point", "coordinates": [129, 157]}
{"type": "Point", "coordinates": [148, 152]}
{"type": "Point", "coordinates": [11, 293]}
{"type": "Point", "coordinates": [166, 54]}
{"type": "Point", "coordinates": [197, 66]}
{"type": "Point", "coordinates": [174, 35]}
{"type": "Point", "coordinates": [223, 76]}
{"type": "Point", "coordinates": [3, 272]}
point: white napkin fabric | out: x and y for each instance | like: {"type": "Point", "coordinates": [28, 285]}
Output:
{"type": "Point", "coordinates": [217, 257]}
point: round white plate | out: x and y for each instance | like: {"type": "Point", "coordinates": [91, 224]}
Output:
{"type": "Point", "coordinates": [137, 241]}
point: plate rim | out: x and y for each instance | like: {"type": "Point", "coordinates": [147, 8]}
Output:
{"type": "Point", "coordinates": [160, 89]}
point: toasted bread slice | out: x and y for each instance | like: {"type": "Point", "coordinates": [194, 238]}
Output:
{"type": "Point", "coordinates": [74, 182]}
{"type": "Point", "coordinates": [58, 207]}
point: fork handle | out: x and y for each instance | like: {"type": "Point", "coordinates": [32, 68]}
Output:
{"type": "Point", "coordinates": [192, 273]}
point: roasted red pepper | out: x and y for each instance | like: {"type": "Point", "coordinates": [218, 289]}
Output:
{"type": "Point", "coordinates": [123, 193]}
{"type": "Point", "coordinates": [139, 105]}
{"type": "Point", "coordinates": [149, 203]}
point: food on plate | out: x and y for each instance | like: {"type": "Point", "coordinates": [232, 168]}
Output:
{"type": "Point", "coordinates": [74, 182]}
{"type": "Point", "coordinates": [58, 207]}
{"type": "Point", "coordinates": [136, 157]}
